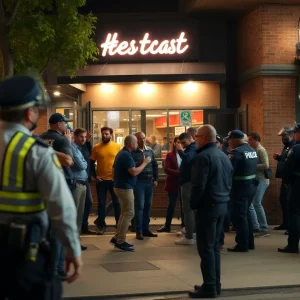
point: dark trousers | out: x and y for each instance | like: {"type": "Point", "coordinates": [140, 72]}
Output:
{"type": "Point", "coordinates": [173, 196]}
{"type": "Point", "coordinates": [23, 279]}
{"type": "Point", "coordinates": [284, 205]}
{"type": "Point", "coordinates": [102, 188]}
{"type": "Point", "coordinates": [87, 207]}
{"type": "Point", "coordinates": [225, 225]}
{"type": "Point", "coordinates": [293, 216]}
{"type": "Point", "coordinates": [209, 224]}
{"type": "Point", "coordinates": [242, 199]}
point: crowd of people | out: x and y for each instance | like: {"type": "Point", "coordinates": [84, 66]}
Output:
{"type": "Point", "coordinates": [218, 181]}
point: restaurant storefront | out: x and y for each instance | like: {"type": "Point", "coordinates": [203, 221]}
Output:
{"type": "Point", "coordinates": [230, 72]}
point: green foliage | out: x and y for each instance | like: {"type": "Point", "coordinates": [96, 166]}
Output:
{"type": "Point", "coordinates": [52, 31]}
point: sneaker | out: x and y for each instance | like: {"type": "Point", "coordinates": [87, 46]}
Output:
{"type": "Point", "coordinates": [262, 233]}
{"type": "Point", "coordinates": [256, 230]}
{"type": "Point", "coordinates": [124, 247]}
{"type": "Point", "coordinates": [185, 241]}
{"type": "Point", "coordinates": [181, 232]}
{"type": "Point", "coordinates": [113, 242]}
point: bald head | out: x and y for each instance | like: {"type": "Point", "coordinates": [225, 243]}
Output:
{"type": "Point", "coordinates": [130, 142]}
{"type": "Point", "coordinates": [206, 134]}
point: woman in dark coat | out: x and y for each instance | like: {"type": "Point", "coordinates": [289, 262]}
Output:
{"type": "Point", "coordinates": [171, 167]}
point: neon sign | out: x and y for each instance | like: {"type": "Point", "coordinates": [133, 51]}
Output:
{"type": "Point", "coordinates": [112, 46]}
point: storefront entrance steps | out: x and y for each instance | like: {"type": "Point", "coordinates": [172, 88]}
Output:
{"type": "Point", "coordinates": [177, 268]}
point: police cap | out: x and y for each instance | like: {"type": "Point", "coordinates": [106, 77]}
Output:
{"type": "Point", "coordinates": [236, 134]}
{"type": "Point", "coordinates": [57, 117]}
{"type": "Point", "coordinates": [285, 131]}
{"type": "Point", "coordinates": [297, 127]}
{"type": "Point", "coordinates": [219, 139]}
{"type": "Point", "coordinates": [22, 92]}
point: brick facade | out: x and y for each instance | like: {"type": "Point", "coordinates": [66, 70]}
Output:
{"type": "Point", "coordinates": [268, 36]}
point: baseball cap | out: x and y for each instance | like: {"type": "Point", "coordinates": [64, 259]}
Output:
{"type": "Point", "coordinates": [236, 134]}
{"type": "Point", "coordinates": [285, 130]}
{"type": "Point", "coordinates": [57, 117]}
{"type": "Point", "coordinates": [297, 128]}
{"type": "Point", "coordinates": [219, 139]}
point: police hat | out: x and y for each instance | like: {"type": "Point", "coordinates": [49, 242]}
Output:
{"type": "Point", "coordinates": [285, 131]}
{"type": "Point", "coordinates": [22, 92]}
{"type": "Point", "coordinates": [236, 134]}
{"type": "Point", "coordinates": [297, 128]}
{"type": "Point", "coordinates": [57, 117]}
{"type": "Point", "coordinates": [219, 139]}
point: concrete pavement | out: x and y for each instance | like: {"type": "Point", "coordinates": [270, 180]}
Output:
{"type": "Point", "coordinates": [160, 267]}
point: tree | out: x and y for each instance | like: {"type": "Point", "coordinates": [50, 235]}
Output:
{"type": "Point", "coordinates": [37, 33]}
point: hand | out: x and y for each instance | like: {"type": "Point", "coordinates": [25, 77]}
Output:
{"type": "Point", "coordinates": [179, 147]}
{"type": "Point", "coordinates": [88, 136]}
{"type": "Point", "coordinates": [147, 160]}
{"type": "Point", "coordinates": [155, 183]}
{"type": "Point", "coordinates": [77, 264]}
{"type": "Point", "coordinates": [68, 135]}
{"type": "Point", "coordinates": [98, 179]}
{"type": "Point", "coordinates": [276, 156]}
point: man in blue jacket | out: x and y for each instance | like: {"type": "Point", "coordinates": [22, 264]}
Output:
{"type": "Point", "coordinates": [187, 151]}
{"type": "Point", "coordinates": [211, 184]}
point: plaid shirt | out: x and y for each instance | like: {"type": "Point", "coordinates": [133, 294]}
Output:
{"type": "Point", "coordinates": [150, 173]}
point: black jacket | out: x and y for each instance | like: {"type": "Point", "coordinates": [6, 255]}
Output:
{"type": "Point", "coordinates": [187, 156]}
{"type": "Point", "coordinates": [211, 178]}
{"type": "Point", "coordinates": [282, 158]}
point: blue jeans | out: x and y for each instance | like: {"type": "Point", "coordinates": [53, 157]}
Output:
{"type": "Point", "coordinates": [87, 207]}
{"type": "Point", "coordinates": [256, 209]}
{"type": "Point", "coordinates": [143, 194]}
{"type": "Point", "coordinates": [102, 188]}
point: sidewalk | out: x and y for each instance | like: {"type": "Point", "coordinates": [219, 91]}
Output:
{"type": "Point", "coordinates": [159, 266]}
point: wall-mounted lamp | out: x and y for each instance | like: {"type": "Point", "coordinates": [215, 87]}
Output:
{"type": "Point", "coordinates": [56, 93]}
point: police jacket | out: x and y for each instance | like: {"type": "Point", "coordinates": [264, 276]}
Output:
{"type": "Point", "coordinates": [291, 176]}
{"type": "Point", "coordinates": [211, 177]}
{"type": "Point", "coordinates": [60, 144]}
{"type": "Point", "coordinates": [187, 157]}
{"type": "Point", "coordinates": [33, 186]}
{"type": "Point", "coordinates": [244, 160]}
{"type": "Point", "coordinates": [282, 158]}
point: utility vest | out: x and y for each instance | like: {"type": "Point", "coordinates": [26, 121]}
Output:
{"type": "Point", "coordinates": [13, 197]}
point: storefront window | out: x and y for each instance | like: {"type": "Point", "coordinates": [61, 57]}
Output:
{"type": "Point", "coordinates": [68, 112]}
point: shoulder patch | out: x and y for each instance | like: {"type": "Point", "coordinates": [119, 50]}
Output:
{"type": "Point", "coordinates": [56, 161]}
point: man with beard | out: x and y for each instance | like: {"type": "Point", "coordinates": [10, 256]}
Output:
{"type": "Point", "coordinates": [287, 138]}
{"type": "Point", "coordinates": [104, 154]}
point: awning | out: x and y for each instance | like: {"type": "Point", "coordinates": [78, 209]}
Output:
{"type": "Point", "coordinates": [152, 72]}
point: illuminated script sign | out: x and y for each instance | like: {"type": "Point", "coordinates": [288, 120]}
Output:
{"type": "Point", "coordinates": [112, 46]}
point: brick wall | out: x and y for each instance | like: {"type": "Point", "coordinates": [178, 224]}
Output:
{"type": "Point", "coordinates": [268, 36]}
{"type": "Point", "coordinates": [43, 122]}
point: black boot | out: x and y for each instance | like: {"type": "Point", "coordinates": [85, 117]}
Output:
{"type": "Point", "coordinates": [165, 228]}
{"type": "Point", "coordinates": [204, 292]}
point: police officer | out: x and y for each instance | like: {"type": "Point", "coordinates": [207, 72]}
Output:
{"type": "Point", "coordinates": [211, 185]}
{"type": "Point", "coordinates": [287, 138]}
{"type": "Point", "coordinates": [32, 188]}
{"type": "Point", "coordinates": [291, 179]}
{"type": "Point", "coordinates": [244, 160]}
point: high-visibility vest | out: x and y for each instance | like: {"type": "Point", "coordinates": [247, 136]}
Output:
{"type": "Point", "coordinates": [13, 197]}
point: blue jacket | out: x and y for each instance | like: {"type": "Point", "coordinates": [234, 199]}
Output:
{"type": "Point", "coordinates": [187, 156]}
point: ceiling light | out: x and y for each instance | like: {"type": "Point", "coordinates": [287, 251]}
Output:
{"type": "Point", "coordinates": [106, 87]}
{"type": "Point", "coordinates": [146, 88]}
{"type": "Point", "coordinates": [190, 86]}
{"type": "Point", "coordinates": [56, 93]}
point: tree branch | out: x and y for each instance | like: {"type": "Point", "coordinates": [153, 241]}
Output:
{"type": "Point", "coordinates": [45, 67]}
{"type": "Point", "coordinates": [13, 13]}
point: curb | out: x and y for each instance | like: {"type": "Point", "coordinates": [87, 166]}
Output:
{"type": "Point", "coordinates": [120, 296]}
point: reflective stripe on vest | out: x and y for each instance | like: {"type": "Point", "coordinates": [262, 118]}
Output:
{"type": "Point", "coordinates": [13, 199]}
{"type": "Point", "coordinates": [244, 177]}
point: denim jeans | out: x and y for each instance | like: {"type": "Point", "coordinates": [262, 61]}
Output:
{"type": "Point", "coordinates": [87, 207]}
{"type": "Point", "coordinates": [256, 209]}
{"type": "Point", "coordinates": [102, 188]}
{"type": "Point", "coordinates": [143, 194]}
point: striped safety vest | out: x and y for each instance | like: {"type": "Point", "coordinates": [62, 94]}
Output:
{"type": "Point", "coordinates": [13, 198]}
